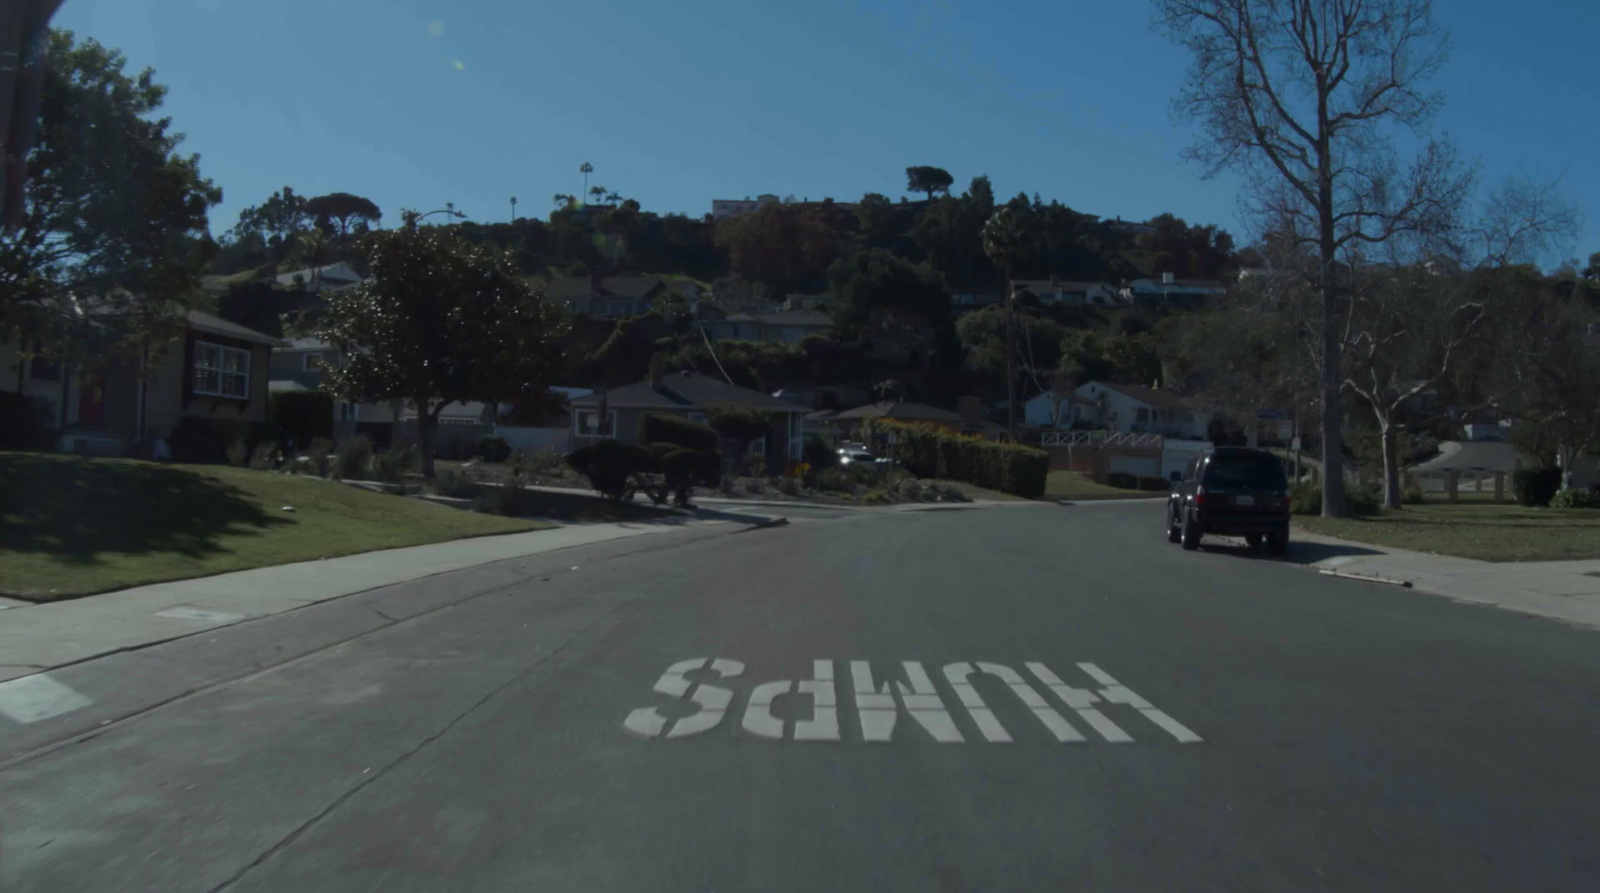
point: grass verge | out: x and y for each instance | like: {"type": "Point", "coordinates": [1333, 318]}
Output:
{"type": "Point", "coordinates": [1487, 532]}
{"type": "Point", "coordinates": [1072, 485]}
{"type": "Point", "coordinates": [73, 526]}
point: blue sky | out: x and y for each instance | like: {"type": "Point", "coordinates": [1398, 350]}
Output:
{"type": "Point", "coordinates": [414, 103]}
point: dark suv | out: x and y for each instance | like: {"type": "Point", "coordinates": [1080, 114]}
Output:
{"type": "Point", "coordinates": [1233, 492]}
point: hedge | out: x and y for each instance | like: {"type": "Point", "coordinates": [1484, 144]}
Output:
{"type": "Point", "coordinates": [1573, 498]}
{"type": "Point", "coordinates": [1536, 486]}
{"type": "Point", "coordinates": [660, 427]}
{"type": "Point", "coordinates": [929, 451]}
{"type": "Point", "coordinates": [302, 416]}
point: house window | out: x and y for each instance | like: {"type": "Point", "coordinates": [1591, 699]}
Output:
{"type": "Point", "coordinates": [44, 369]}
{"type": "Point", "coordinates": [347, 412]}
{"type": "Point", "coordinates": [312, 362]}
{"type": "Point", "coordinates": [221, 371]}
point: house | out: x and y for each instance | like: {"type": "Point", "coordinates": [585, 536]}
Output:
{"type": "Point", "coordinates": [607, 297]}
{"type": "Point", "coordinates": [210, 380]}
{"type": "Point", "coordinates": [972, 300]}
{"type": "Point", "coordinates": [333, 277]}
{"type": "Point", "coordinates": [785, 326]}
{"type": "Point", "coordinates": [1132, 409]}
{"type": "Point", "coordinates": [723, 208]}
{"type": "Point", "coordinates": [1055, 291]}
{"type": "Point", "coordinates": [1056, 409]}
{"type": "Point", "coordinates": [847, 422]}
{"type": "Point", "coordinates": [1169, 290]}
{"type": "Point", "coordinates": [300, 365]}
{"type": "Point", "coordinates": [615, 412]}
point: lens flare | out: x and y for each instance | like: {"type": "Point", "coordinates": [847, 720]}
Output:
{"type": "Point", "coordinates": [436, 29]}
{"type": "Point", "coordinates": [459, 65]}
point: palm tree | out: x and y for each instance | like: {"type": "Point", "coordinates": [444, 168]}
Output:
{"type": "Point", "coordinates": [586, 169]}
{"type": "Point", "coordinates": [612, 198]}
{"type": "Point", "coordinates": [513, 209]}
{"type": "Point", "coordinates": [562, 200]}
{"type": "Point", "coordinates": [598, 192]}
{"type": "Point", "coordinates": [1002, 238]}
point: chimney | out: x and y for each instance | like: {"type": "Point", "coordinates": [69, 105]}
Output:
{"type": "Point", "coordinates": [971, 409]}
{"type": "Point", "coordinates": [658, 366]}
{"type": "Point", "coordinates": [1166, 278]}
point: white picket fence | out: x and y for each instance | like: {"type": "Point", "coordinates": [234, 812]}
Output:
{"type": "Point", "coordinates": [1099, 438]}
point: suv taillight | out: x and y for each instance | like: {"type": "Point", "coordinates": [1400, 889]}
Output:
{"type": "Point", "coordinates": [1200, 495]}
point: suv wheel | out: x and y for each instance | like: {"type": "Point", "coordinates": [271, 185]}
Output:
{"type": "Point", "coordinates": [1173, 533]}
{"type": "Point", "coordinates": [1190, 535]}
{"type": "Point", "coordinates": [1278, 543]}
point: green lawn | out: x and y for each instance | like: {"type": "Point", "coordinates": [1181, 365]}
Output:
{"type": "Point", "coordinates": [1072, 485]}
{"type": "Point", "coordinates": [72, 526]}
{"type": "Point", "coordinates": [1487, 532]}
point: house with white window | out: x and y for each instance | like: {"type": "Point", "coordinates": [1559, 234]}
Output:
{"type": "Point", "coordinates": [1172, 291]}
{"type": "Point", "coordinates": [1066, 292]}
{"type": "Point", "coordinates": [614, 413]}
{"type": "Point", "coordinates": [206, 370]}
{"type": "Point", "coordinates": [1133, 409]}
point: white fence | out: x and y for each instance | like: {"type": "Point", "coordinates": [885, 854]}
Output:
{"type": "Point", "coordinates": [535, 439]}
{"type": "Point", "coordinates": [1099, 438]}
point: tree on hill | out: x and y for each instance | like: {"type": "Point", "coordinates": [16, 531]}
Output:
{"type": "Point", "coordinates": [876, 289]}
{"type": "Point", "coordinates": [929, 180]}
{"type": "Point", "coordinates": [342, 214]}
{"type": "Point", "coordinates": [110, 210]}
{"type": "Point", "coordinates": [783, 247]}
{"type": "Point", "coordinates": [440, 321]}
{"type": "Point", "coordinates": [276, 221]}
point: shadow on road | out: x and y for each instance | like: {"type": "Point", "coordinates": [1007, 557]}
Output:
{"type": "Point", "coordinates": [1299, 552]}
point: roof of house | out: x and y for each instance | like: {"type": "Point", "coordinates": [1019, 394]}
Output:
{"type": "Point", "coordinates": [307, 344]}
{"type": "Point", "coordinates": [900, 409]}
{"type": "Point", "coordinates": [1046, 285]}
{"type": "Point", "coordinates": [571, 288]}
{"type": "Point", "coordinates": [205, 322]}
{"type": "Point", "coordinates": [686, 390]}
{"type": "Point", "coordinates": [1150, 397]}
{"type": "Point", "coordinates": [1476, 455]}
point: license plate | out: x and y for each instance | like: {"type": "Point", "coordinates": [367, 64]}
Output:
{"type": "Point", "coordinates": [1244, 500]}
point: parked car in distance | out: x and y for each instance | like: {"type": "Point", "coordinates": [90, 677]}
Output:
{"type": "Point", "coordinates": [1231, 491]}
{"type": "Point", "coordinates": [853, 455]}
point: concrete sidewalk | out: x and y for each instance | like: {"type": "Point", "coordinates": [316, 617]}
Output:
{"type": "Point", "coordinates": [40, 637]}
{"type": "Point", "coordinates": [1568, 591]}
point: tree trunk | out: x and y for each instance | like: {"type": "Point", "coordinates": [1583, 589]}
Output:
{"type": "Point", "coordinates": [427, 424]}
{"type": "Point", "coordinates": [1333, 504]}
{"type": "Point", "coordinates": [1391, 464]}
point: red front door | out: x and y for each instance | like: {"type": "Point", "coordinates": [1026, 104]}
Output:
{"type": "Point", "coordinates": [92, 398]}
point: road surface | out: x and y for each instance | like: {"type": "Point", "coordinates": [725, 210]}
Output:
{"type": "Point", "coordinates": [1027, 698]}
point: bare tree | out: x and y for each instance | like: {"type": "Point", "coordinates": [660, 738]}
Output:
{"type": "Point", "coordinates": [1296, 94]}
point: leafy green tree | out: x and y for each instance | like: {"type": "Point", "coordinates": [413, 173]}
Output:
{"type": "Point", "coordinates": [745, 424]}
{"type": "Point", "coordinates": [876, 289]}
{"type": "Point", "coordinates": [928, 179]}
{"type": "Point", "coordinates": [111, 211]}
{"type": "Point", "coordinates": [783, 247]}
{"type": "Point", "coordinates": [875, 220]}
{"type": "Point", "coordinates": [276, 221]}
{"type": "Point", "coordinates": [343, 214]}
{"type": "Point", "coordinates": [439, 321]}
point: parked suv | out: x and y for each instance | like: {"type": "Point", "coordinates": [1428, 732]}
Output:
{"type": "Point", "coordinates": [1231, 491]}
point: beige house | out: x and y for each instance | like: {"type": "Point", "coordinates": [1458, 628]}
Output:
{"type": "Point", "coordinates": [211, 379]}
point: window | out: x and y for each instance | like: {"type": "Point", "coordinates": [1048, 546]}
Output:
{"type": "Point", "coordinates": [221, 371]}
{"type": "Point", "coordinates": [312, 362]}
{"type": "Point", "coordinates": [588, 422]}
{"type": "Point", "coordinates": [44, 369]}
{"type": "Point", "coordinates": [1256, 472]}
{"type": "Point", "coordinates": [347, 412]}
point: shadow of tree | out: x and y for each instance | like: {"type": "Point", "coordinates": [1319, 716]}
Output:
{"type": "Point", "coordinates": [76, 508]}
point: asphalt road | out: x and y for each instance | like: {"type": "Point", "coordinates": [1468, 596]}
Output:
{"type": "Point", "coordinates": [1136, 718]}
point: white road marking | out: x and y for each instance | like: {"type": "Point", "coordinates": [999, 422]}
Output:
{"type": "Point", "coordinates": [758, 718]}
{"type": "Point", "coordinates": [713, 701]}
{"type": "Point", "coordinates": [992, 730]}
{"type": "Point", "coordinates": [1082, 702]}
{"type": "Point", "coordinates": [199, 615]}
{"type": "Point", "coordinates": [29, 699]}
{"type": "Point", "coordinates": [1118, 693]}
{"type": "Point", "coordinates": [878, 712]}
{"type": "Point", "coordinates": [824, 724]}
{"type": "Point", "coordinates": [1055, 722]}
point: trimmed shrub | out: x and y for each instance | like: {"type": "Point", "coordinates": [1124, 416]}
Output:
{"type": "Point", "coordinates": [1536, 486]}
{"type": "Point", "coordinates": [1412, 496]}
{"type": "Point", "coordinates": [741, 423]}
{"type": "Point", "coordinates": [609, 465]}
{"type": "Point", "coordinates": [929, 451]}
{"type": "Point", "coordinates": [1122, 480]}
{"type": "Point", "coordinates": [24, 422]}
{"type": "Point", "coordinates": [1573, 498]}
{"type": "Point", "coordinates": [353, 457]}
{"type": "Point", "coordinates": [658, 427]}
{"type": "Point", "coordinates": [492, 449]}
{"type": "Point", "coordinates": [301, 416]}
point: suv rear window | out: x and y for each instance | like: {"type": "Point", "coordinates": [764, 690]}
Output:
{"type": "Point", "coordinates": [1254, 472]}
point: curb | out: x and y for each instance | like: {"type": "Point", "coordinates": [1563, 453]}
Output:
{"type": "Point", "coordinates": [1365, 578]}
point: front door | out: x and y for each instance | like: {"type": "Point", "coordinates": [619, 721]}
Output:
{"type": "Point", "coordinates": [92, 398]}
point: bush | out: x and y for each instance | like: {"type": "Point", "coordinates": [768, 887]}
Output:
{"type": "Point", "coordinates": [1412, 496]}
{"type": "Point", "coordinates": [1536, 486]}
{"type": "Point", "coordinates": [818, 454]}
{"type": "Point", "coordinates": [261, 456]}
{"type": "Point", "coordinates": [657, 427]}
{"type": "Point", "coordinates": [353, 456]}
{"type": "Point", "coordinates": [1573, 498]}
{"type": "Point", "coordinates": [547, 462]}
{"type": "Point", "coordinates": [929, 451]}
{"type": "Point", "coordinates": [741, 423]}
{"type": "Point", "coordinates": [456, 483]}
{"type": "Point", "coordinates": [390, 466]}
{"type": "Point", "coordinates": [1306, 499]}
{"type": "Point", "coordinates": [790, 487]}
{"type": "Point", "coordinates": [203, 440]}
{"type": "Point", "coordinates": [1122, 480]}
{"type": "Point", "coordinates": [301, 416]}
{"type": "Point", "coordinates": [492, 449]}
{"type": "Point", "coordinates": [834, 479]}
{"type": "Point", "coordinates": [24, 422]}
{"type": "Point", "coordinates": [238, 454]}
{"type": "Point", "coordinates": [609, 465]}
{"type": "Point", "coordinates": [318, 453]}
{"type": "Point", "coordinates": [1154, 484]}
